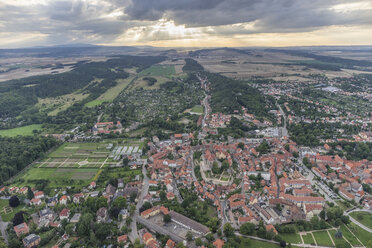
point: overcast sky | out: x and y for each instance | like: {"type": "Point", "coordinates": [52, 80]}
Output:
{"type": "Point", "coordinates": [174, 23]}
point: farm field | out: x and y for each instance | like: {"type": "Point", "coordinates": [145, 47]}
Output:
{"type": "Point", "coordinates": [88, 155]}
{"type": "Point", "coordinates": [363, 217]}
{"type": "Point", "coordinates": [26, 130]}
{"type": "Point", "coordinates": [322, 238]}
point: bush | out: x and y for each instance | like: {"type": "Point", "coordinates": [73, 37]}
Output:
{"type": "Point", "coordinates": [14, 201]}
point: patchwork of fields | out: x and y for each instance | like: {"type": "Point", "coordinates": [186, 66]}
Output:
{"type": "Point", "coordinates": [84, 155]}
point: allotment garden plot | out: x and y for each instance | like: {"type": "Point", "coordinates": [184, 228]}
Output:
{"type": "Point", "coordinates": [87, 155]}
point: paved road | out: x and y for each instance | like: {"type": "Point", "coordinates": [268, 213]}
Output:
{"type": "Point", "coordinates": [133, 235]}
{"type": "Point", "coordinates": [284, 129]}
{"type": "Point", "coordinates": [3, 226]}
{"type": "Point", "coordinates": [357, 222]}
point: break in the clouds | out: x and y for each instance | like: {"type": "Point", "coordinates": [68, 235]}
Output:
{"type": "Point", "coordinates": [185, 22]}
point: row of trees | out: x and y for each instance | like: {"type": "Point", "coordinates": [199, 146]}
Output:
{"type": "Point", "coordinates": [17, 152]}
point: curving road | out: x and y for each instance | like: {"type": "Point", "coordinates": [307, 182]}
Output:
{"type": "Point", "coordinates": [357, 222]}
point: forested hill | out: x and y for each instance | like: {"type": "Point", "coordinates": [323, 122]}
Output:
{"type": "Point", "coordinates": [229, 95]}
{"type": "Point", "coordinates": [16, 153]}
{"type": "Point", "coordinates": [17, 96]}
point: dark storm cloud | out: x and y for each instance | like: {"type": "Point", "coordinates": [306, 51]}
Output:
{"type": "Point", "coordinates": [269, 14]}
{"type": "Point", "coordinates": [102, 21]}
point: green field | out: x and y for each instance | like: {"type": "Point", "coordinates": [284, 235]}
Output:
{"type": "Point", "coordinates": [293, 238]}
{"type": "Point", "coordinates": [197, 109]}
{"type": "Point", "coordinates": [158, 70]}
{"type": "Point", "coordinates": [54, 105]}
{"type": "Point", "coordinates": [308, 239]}
{"type": "Point", "coordinates": [8, 216]}
{"type": "Point", "coordinates": [362, 234]}
{"type": "Point", "coordinates": [111, 93]}
{"type": "Point", "coordinates": [349, 236]}
{"type": "Point", "coordinates": [322, 238]}
{"type": "Point", "coordinates": [247, 242]}
{"type": "Point", "coordinates": [364, 218]}
{"type": "Point", "coordinates": [26, 130]}
{"type": "Point", "coordinates": [338, 241]}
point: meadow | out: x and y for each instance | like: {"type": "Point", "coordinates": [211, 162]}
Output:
{"type": "Point", "coordinates": [111, 93]}
{"type": "Point", "coordinates": [363, 217]}
{"type": "Point", "coordinates": [25, 130]}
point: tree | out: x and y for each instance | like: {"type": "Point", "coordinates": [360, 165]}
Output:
{"type": "Point", "coordinates": [247, 228]}
{"type": "Point", "coordinates": [133, 197]}
{"type": "Point", "coordinates": [215, 168]}
{"type": "Point", "coordinates": [322, 214]}
{"type": "Point", "coordinates": [167, 218]}
{"type": "Point", "coordinates": [209, 237]}
{"type": "Point", "coordinates": [189, 236]}
{"type": "Point", "coordinates": [14, 201]}
{"type": "Point", "coordinates": [241, 145]}
{"type": "Point", "coordinates": [30, 194]}
{"type": "Point", "coordinates": [120, 202]}
{"type": "Point", "coordinates": [83, 226]}
{"type": "Point", "coordinates": [114, 212]}
{"type": "Point", "coordinates": [2, 244]}
{"type": "Point", "coordinates": [102, 230]}
{"type": "Point", "coordinates": [125, 161]}
{"type": "Point", "coordinates": [18, 218]}
{"type": "Point", "coordinates": [228, 230]}
{"type": "Point", "coordinates": [163, 196]}
{"type": "Point", "coordinates": [213, 224]}
{"type": "Point", "coordinates": [198, 242]}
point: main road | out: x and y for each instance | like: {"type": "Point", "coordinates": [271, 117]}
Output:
{"type": "Point", "coordinates": [133, 235]}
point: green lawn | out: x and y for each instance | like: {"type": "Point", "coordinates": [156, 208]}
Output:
{"type": "Point", "coordinates": [349, 236]}
{"type": "Point", "coordinates": [363, 217]}
{"type": "Point", "coordinates": [158, 70]}
{"type": "Point", "coordinates": [26, 130]}
{"type": "Point", "coordinates": [9, 216]}
{"type": "Point", "coordinates": [247, 242]}
{"type": "Point", "coordinates": [308, 239]}
{"type": "Point", "coordinates": [59, 177]}
{"type": "Point", "coordinates": [322, 238]}
{"type": "Point", "coordinates": [293, 238]}
{"type": "Point", "coordinates": [338, 241]}
{"type": "Point", "coordinates": [362, 234]}
{"type": "Point", "coordinates": [197, 109]}
{"type": "Point", "coordinates": [343, 205]}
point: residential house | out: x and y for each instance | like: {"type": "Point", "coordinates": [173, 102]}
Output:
{"type": "Point", "coordinates": [102, 215]}
{"type": "Point", "coordinates": [64, 214]}
{"type": "Point", "coordinates": [21, 229]}
{"type": "Point", "coordinates": [31, 240]}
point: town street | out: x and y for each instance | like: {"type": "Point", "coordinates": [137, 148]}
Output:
{"type": "Point", "coordinates": [133, 235]}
